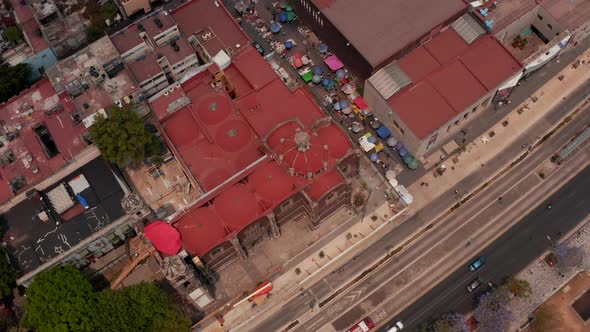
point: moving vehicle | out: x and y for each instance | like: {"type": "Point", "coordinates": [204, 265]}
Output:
{"type": "Point", "coordinates": [395, 327]}
{"type": "Point", "coordinates": [474, 284]}
{"type": "Point", "coordinates": [363, 326]}
{"type": "Point", "coordinates": [479, 262]}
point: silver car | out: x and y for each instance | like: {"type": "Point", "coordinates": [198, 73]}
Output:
{"type": "Point", "coordinates": [395, 327]}
{"type": "Point", "coordinates": [474, 284]}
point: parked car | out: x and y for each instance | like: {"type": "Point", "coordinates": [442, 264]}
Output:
{"type": "Point", "coordinates": [479, 262]}
{"type": "Point", "coordinates": [474, 284]}
{"type": "Point", "coordinates": [363, 326]}
{"type": "Point", "coordinates": [395, 327]}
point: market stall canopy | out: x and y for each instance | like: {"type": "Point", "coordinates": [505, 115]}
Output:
{"type": "Point", "coordinates": [306, 75]}
{"type": "Point", "coordinates": [348, 88]}
{"type": "Point", "coordinates": [399, 145]}
{"type": "Point", "coordinates": [317, 79]}
{"type": "Point", "coordinates": [323, 48]}
{"type": "Point", "coordinates": [365, 144]}
{"type": "Point", "coordinates": [391, 141]}
{"type": "Point", "coordinates": [275, 28]}
{"type": "Point", "coordinates": [164, 237]}
{"type": "Point", "coordinates": [356, 128]}
{"type": "Point", "coordinates": [317, 70]}
{"type": "Point", "coordinates": [372, 139]}
{"type": "Point", "coordinates": [333, 62]}
{"type": "Point", "coordinates": [283, 18]}
{"type": "Point", "coordinates": [291, 16]}
{"type": "Point", "coordinates": [402, 152]}
{"type": "Point", "coordinates": [404, 194]}
{"type": "Point", "coordinates": [410, 161]}
{"type": "Point", "coordinates": [375, 124]}
{"type": "Point", "coordinates": [360, 102]}
{"type": "Point", "coordinates": [374, 157]}
{"type": "Point", "coordinates": [390, 174]}
{"type": "Point", "coordinates": [340, 73]}
{"type": "Point", "coordinates": [383, 132]}
{"type": "Point", "coordinates": [289, 44]}
{"type": "Point", "coordinates": [337, 106]}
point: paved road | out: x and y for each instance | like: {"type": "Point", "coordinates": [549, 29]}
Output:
{"type": "Point", "coordinates": [508, 255]}
{"type": "Point", "coordinates": [323, 289]}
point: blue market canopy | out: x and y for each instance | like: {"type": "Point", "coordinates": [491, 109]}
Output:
{"type": "Point", "coordinates": [402, 152]}
{"type": "Point", "coordinates": [323, 48]}
{"type": "Point", "coordinates": [283, 17]}
{"type": "Point", "coordinates": [317, 70]}
{"type": "Point", "coordinates": [275, 28]}
{"type": "Point", "coordinates": [289, 44]}
{"type": "Point", "coordinates": [383, 132]}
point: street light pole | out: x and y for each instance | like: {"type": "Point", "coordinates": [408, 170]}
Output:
{"type": "Point", "coordinates": [551, 241]}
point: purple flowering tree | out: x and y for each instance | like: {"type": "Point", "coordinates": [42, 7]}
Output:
{"type": "Point", "coordinates": [493, 312]}
{"type": "Point", "coordinates": [450, 322]}
{"type": "Point", "coordinates": [568, 257]}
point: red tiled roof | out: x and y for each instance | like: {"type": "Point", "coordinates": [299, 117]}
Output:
{"type": "Point", "coordinates": [438, 93]}
{"type": "Point", "coordinates": [38, 43]}
{"type": "Point", "coordinates": [271, 183]}
{"type": "Point", "coordinates": [490, 62]}
{"type": "Point", "coordinates": [457, 86]}
{"type": "Point", "coordinates": [146, 67]}
{"type": "Point", "coordinates": [217, 137]}
{"type": "Point", "coordinates": [197, 16]}
{"type": "Point", "coordinates": [27, 110]}
{"type": "Point", "coordinates": [201, 230]}
{"type": "Point", "coordinates": [23, 13]}
{"type": "Point", "coordinates": [214, 140]}
{"type": "Point", "coordinates": [126, 38]}
{"type": "Point", "coordinates": [237, 206]}
{"type": "Point", "coordinates": [323, 183]}
{"type": "Point", "coordinates": [422, 109]}
{"type": "Point", "coordinates": [419, 64]}
{"type": "Point", "coordinates": [446, 46]}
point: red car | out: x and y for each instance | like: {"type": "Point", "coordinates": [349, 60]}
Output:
{"type": "Point", "coordinates": [363, 326]}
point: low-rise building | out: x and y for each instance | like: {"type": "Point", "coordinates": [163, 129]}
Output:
{"type": "Point", "coordinates": [368, 37]}
{"type": "Point", "coordinates": [535, 31]}
{"type": "Point", "coordinates": [433, 91]}
{"type": "Point", "coordinates": [155, 52]}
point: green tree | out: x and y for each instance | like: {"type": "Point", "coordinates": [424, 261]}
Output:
{"type": "Point", "coordinates": [58, 300]}
{"type": "Point", "coordinates": [13, 80]}
{"type": "Point", "coordinates": [12, 34]}
{"type": "Point", "coordinates": [7, 275]}
{"type": "Point", "coordinates": [142, 307]}
{"type": "Point", "coordinates": [450, 322]}
{"type": "Point", "coordinates": [122, 137]}
{"type": "Point", "coordinates": [518, 287]}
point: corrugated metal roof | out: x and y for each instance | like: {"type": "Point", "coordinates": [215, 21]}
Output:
{"type": "Point", "coordinates": [389, 80]}
{"type": "Point", "coordinates": [467, 28]}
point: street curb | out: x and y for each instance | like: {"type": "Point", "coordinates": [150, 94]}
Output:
{"type": "Point", "coordinates": [294, 292]}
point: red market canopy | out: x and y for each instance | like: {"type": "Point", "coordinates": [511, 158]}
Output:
{"type": "Point", "coordinates": [164, 237]}
{"type": "Point", "coordinates": [333, 62]}
{"type": "Point", "coordinates": [360, 102]}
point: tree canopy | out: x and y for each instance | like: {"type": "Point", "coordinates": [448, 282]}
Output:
{"type": "Point", "coordinates": [518, 287]}
{"type": "Point", "coordinates": [13, 80]}
{"type": "Point", "coordinates": [122, 137]}
{"type": "Point", "coordinates": [568, 257]}
{"type": "Point", "coordinates": [142, 307]}
{"type": "Point", "coordinates": [7, 275]}
{"type": "Point", "coordinates": [449, 322]}
{"type": "Point", "coordinates": [58, 300]}
{"type": "Point", "coordinates": [493, 312]}
{"type": "Point", "coordinates": [62, 299]}
{"type": "Point", "coordinates": [12, 34]}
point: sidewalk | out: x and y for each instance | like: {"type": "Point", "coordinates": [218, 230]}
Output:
{"type": "Point", "coordinates": [545, 280]}
{"type": "Point", "coordinates": [512, 128]}
{"type": "Point", "coordinates": [321, 258]}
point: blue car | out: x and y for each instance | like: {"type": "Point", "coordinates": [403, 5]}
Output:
{"type": "Point", "coordinates": [477, 264]}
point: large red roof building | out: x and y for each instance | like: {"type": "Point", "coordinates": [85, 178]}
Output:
{"type": "Point", "coordinates": [261, 154]}
{"type": "Point", "coordinates": [428, 94]}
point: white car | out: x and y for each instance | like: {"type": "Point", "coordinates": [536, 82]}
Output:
{"type": "Point", "coordinates": [395, 327]}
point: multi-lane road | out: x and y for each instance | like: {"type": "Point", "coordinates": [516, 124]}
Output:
{"type": "Point", "coordinates": [508, 255]}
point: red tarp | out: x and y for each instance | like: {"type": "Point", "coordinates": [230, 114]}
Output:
{"type": "Point", "coordinates": [360, 102]}
{"type": "Point", "coordinates": [164, 237]}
